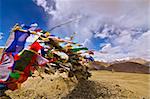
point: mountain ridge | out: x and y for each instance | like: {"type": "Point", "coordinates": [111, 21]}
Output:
{"type": "Point", "coordinates": [134, 65]}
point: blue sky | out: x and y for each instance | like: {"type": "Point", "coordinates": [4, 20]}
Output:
{"type": "Point", "coordinates": [113, 28]}
{"type": "Point", "coordinates": [20, 11]}
{"type": "Point", "coordinates": [25, 12]}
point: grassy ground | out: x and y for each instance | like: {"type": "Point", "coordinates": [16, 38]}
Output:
{"type": "Point", "coordinates": [138, 83]}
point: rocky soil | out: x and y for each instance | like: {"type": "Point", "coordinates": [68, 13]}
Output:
{"type": "Point", "coordinates": [57, 87]}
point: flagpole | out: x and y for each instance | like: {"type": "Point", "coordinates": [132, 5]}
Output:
{"type": "Point", "coordinates": [67, 22]}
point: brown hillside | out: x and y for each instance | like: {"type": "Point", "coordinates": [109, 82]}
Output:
{"type": "Point", "coordinates": [139, 60]}
{"type": "Point", "coordinates": [98, 65]}
{"type": "Point", "coordinates": [130, 67]}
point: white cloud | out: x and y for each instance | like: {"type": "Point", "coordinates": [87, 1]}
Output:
{"type": "Point", "coordinates": [117, 18]}
{"type": "Point", "coordinates": [141, 46]}
{"type": "Point", "coordinates": [44, 5]}
{"type": "Point", "coordinates": [2, 46]}
{"type": "Point", "coordinates": [121, 12]}
{"type": "Point", "coordinates": [86, 42]}
{"type": "Point", "coordinates": [1, 35]}
{"type": "Point", "coordinates": [123, 39]}
{"type": "Point", "coordinates": [126, 47]}
{"type": "Point", "coordinates": [94, 12]}
{"type": "Point", "coordinates": [108, 57]}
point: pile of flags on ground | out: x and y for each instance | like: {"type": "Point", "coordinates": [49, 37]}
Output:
{"type": "Point", "coordinates": [47, 51]}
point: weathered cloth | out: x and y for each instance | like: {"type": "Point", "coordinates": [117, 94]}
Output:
{"type": "Point", "coordinates": [6, 66]}
{"type": "Point", "coordinates": [19, 42]}
{"type": "Point", "coordinates": [41, 60]}
{"type": "Point", "coordinates": [78, 49]}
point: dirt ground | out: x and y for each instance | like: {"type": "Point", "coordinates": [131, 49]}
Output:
{"type": "Point", "coordinates": [102, 85]}
{"type": "Point", "coordinates": [137, 83]}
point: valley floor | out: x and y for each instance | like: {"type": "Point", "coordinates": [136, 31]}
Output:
{"type": "Point", "coordinates": [138, 83]}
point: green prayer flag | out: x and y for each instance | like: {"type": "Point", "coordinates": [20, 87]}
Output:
{"type": "Point", "coordinates": [78, 49]}
{"type": "Point", "coordinates": [15, 75]}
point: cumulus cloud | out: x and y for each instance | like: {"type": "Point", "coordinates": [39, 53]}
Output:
{"type": "Point", "coordinates": [86, 42]}
{"type": "Point", "coordinates": [120, 12]}
{"type": "Point", "coordinates": [45, 5]}
{"type": "Point", "coordinates": [126, 47]}
{"type": "Point", "coordinates": [119, 21]}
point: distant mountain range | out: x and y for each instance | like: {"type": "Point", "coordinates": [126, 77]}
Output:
{"type": "Point", "coordinates": [135, 65]}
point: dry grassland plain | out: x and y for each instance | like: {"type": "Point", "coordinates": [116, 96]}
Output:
{"type": "Point", "coordinates": [138, 83]}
